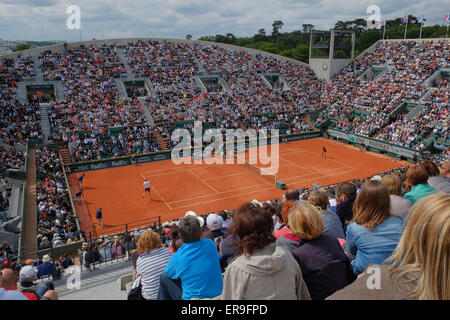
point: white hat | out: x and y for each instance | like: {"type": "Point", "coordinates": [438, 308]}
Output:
{"type": "Point", "coordinates": [46, 258]}
{"type": "Point", "coordinates": [27, 272]}
{"type": "Point", "coordinates": [376, 178]}
{"type": "Point", "coordinates": [214, 221]}
{"type": "Point", "coordinates": [190, 213]}
{"type": "Point", "coordinates": [256, 203]}
{"type": "Point", "coordinates": [200, 219]}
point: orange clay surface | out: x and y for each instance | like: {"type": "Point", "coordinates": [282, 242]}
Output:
{"type": "Point", "coordinates": [205, 188]}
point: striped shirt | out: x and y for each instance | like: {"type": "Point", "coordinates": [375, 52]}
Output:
{"type": "Point", "coordinates": [150, 266]}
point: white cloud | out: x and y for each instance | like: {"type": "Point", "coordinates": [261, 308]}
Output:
{"type": "Point", "coordinates": [46, 19]}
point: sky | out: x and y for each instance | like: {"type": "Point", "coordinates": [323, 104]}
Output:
{"type": "Point", "coordinates": [40, 20]}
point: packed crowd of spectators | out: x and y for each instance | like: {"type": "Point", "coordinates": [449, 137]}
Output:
{"type": "Point", "coordinates": [56, 221]}
{"type": "Point", "coordinates": [89, 72]}
{"type": "Point", "coordinates": [11, 159]}
{"type": "Point", "coordinates": [407, 64]}
{"type": "Point", "coordinates": [310, 244]}
{"type": "Point", "coordinates": [104, 143]}
{"type": "Point", "coordinates": [18, 122]}
{"type": "Point", "coordinates": [88, 75]}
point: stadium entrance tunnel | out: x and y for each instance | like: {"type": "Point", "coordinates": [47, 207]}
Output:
{"type": "Point", "coordinates": [136, 88]}
{"type": "Point", "coordinates": [212, 84]}
{"type": "Point", "coordinates": [41, 93]}
{"type": "Point", "coordinates": [276, 81]}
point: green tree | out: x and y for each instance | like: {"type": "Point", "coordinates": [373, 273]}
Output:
{"type": "Point", "coordinates": [231, 38]}
{"type": "Point", "coordinates": [307, 28]}
{"type": "Point", "coordinates": [276, 25]}
{"type": "Point", "coordinates": [188, 37]}
{"type": "Point", "coordinates": [366, 39]}
{"type": "Point", "coordinates": [207, 38]}
{"type": "Point", "coordinates": [22, 46]}
{"type": "Point", "coordinates": [267, 46]}
{"type": "Point", "coordinates": [260, 36]}
{"type": "Point", "coordinates": [301, 52]}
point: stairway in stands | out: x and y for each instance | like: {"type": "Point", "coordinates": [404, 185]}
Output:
{"type": "Point", "coordinates": [162, 142]}
{"type": "Point", "coordinates": [45, 121]}
{"type": "Point", "coordinates": [39, 78]}
{"type": "Point", "coordinates": [150, 121]}
{"type": "Point", "coordinates": [122, 57]}
{"type": "Point", "coordinates": [65, 154]}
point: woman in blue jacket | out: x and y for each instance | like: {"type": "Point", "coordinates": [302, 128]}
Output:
{"type": "Point", "coordinates": [373, 233]}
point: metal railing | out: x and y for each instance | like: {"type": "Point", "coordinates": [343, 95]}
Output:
{"type": "Point", "coordinates": [24, 204]}
{"type": "Point", "coordinates": [105, 255]}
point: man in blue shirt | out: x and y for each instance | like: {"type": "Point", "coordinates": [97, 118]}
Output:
{"type": "Point", "coordinates": [194, 270]}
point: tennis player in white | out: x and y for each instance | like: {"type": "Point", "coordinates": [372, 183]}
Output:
{"type": "Point", "coordinates": [147, 188]}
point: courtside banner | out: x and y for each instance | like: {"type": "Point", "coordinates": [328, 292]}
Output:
{"type": "Point", "coordinates": [112, 163]}
{"type": "Point", "coordinates": [372, 143]}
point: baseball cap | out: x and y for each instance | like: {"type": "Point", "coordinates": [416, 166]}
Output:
{"type": "Point", "coordinates": [26, 273]}
{"type": "Point", "coordinates": [214, 221]}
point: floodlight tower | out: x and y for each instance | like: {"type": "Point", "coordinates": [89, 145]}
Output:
{"type": "Point", "coordinates": [330, 51]}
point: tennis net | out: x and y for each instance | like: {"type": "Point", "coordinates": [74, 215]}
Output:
{"type": "Point", "coordinates": [263, 173]}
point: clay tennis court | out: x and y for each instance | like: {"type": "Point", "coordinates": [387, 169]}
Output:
{"type": "Point", "coordinates": [206, 188]}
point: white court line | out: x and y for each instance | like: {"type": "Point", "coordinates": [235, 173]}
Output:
{"type": "Point", "coordinates": [297, 165]}
{"type": "Point", "coordinates": [220, 193]}
{"type": "Point", "coordinates": [313, 173]}
{"type": "Point", "coordinates": [234, 174]}
{"type": "Point", "coordinates": [316, 155]}
{"type": "Point", "coordinates": [161, 197]}
{"type": "Point", "coordinates": [182, 169]}
{"type": "Point", "coordinates": [234, 196]}
{"type": "Point", "coordinates": [242, 194]}
{"type": "Point", "coordinates": [325, 176]}
{"type": "Point", "coordinates": [257, 185]}
{"type": "Point", "coordinates": [203, 181]}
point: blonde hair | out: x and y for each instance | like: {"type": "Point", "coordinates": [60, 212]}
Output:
{"type": "Point", "coordinates": [372, 205]}
{"type": "Point", "coordinates": [148, 240]}
{"type": "Point", "coordinates": [306, 221]}
{"type": "Point", "coordinates": [393, 184]}
{"type": "Point", "coordinates": [421, 261]}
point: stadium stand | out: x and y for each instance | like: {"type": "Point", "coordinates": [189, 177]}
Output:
{"type": "Point", "coordinates": [223, 86]}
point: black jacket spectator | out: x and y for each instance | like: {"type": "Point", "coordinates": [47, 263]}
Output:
{"type": "Point", "coordinates": [323, 262]}
{"type": "Point", "coordinates": [344, 211]}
